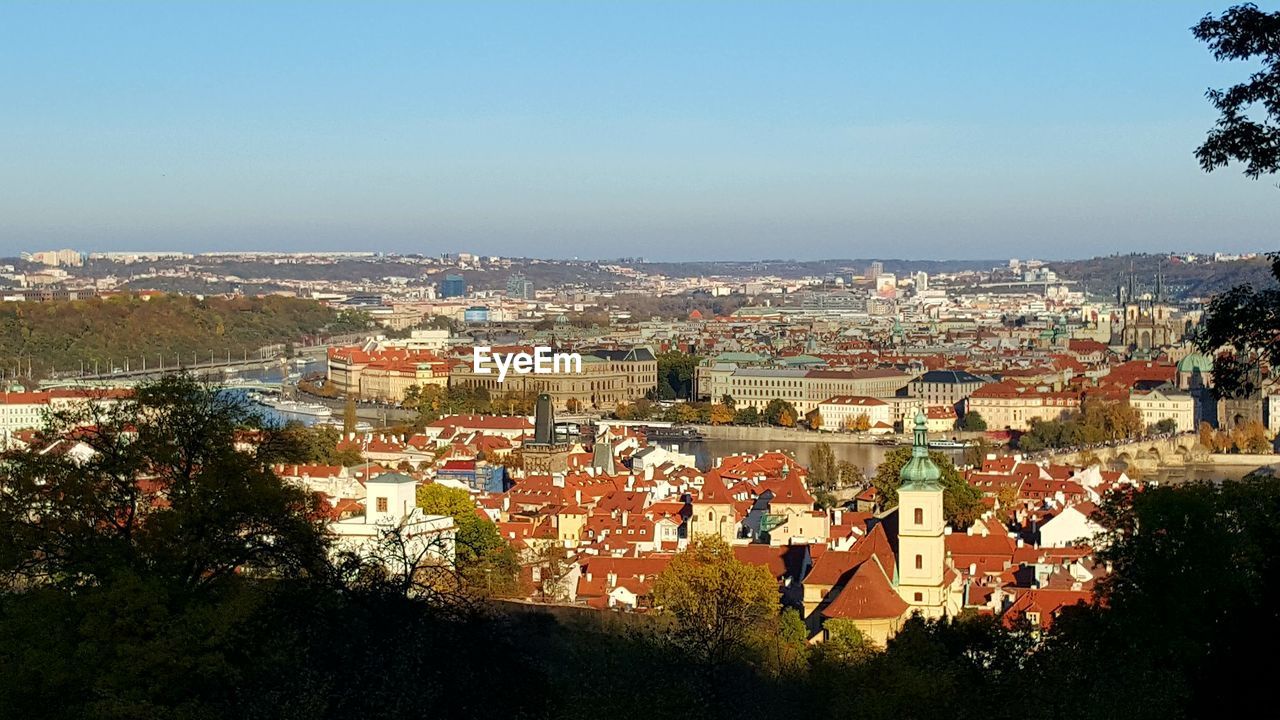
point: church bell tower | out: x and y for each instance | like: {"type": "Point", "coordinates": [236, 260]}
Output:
{"type": "Point", "coordinates": [921, 529]}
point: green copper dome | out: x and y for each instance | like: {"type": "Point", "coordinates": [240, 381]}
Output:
{"type": "Point", "coordinates": [1195, 361]}
{"type": "Point", "coordinates": [920, 472]}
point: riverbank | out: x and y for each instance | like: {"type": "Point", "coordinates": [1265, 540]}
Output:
{"type": "Point", "coordinates": [768, 433]}
{"type": "Point", "coordinates": [1237, 459]}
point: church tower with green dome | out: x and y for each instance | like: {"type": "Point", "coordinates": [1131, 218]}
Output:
{"type": "Point", "coordinates": [922, 553]}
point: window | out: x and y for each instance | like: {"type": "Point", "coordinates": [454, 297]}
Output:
{"type": "Point", "coordinates": [919, 516]}
{"type": "Point", "coordinates": [919, 562]}
{"type": "Point", "coordinates": [382, 504]}
{"type": "Point", "coordinates": [919, 597]}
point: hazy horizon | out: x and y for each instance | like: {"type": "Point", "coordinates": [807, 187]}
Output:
{"type": "Point", "coordinates": [671, 131]}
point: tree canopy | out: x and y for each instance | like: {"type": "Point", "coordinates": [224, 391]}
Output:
{"type": "Point", "coordinates": [1244, 32]}
{"type": "Point", "coordinates": [961, 502]}
{"type": "Point", "coordinates": [62, 334]}
{"type": "Point", "coordinates": [714, 598]}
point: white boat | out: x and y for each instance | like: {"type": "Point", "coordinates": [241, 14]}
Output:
{"type": "Point", "coordinates": [293, 407]}
{"type": "Point", "coordinates": [948, 444]}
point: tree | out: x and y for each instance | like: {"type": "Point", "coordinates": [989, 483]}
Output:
{"type": "Point", "coordinates": [961, 502]}
{"type": "Point", "coordinates": [746, 416]}
{"type": "Point", "coordinates": [973, 422]}
{"type": "Point", "coordinates": [780, 412]}
{"type": "Point", "coordinates": [714, 599]}
{"type": "Point", "coordinates": [676, 371]}
{"type": "Point", "coordinates": [824, 476]}
{"type": "Point", "coordinates": [349, 414]}
{"type": "Point", "coordinates": [843, 645]}
{"type": "Point", "coordinates": [849, 475]}
{"type": "Point", "coordinates": [721, 414]}
{"type": "Point", "coordinates": [165, 489]}
{"type": "Point", "coordinates": [1240, 330]}
{"type": "Point", "coordinates": [1244, 32]}
{"type": "Point", "coordinates": [318, 445]}
{"type": "Point", "coordinates": [728, 401]}
{"type": "Point", "coordinates": [486, 561]}
{"type": "Point", "coordinates": [688, 412]}
{"type": "Point", "coordinates": [814, 419]}
{"type": "Point", "coordinates": [1165, 426]}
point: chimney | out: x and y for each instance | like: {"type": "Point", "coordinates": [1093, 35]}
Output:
{"type": "Point", "coordinates": [1020, 543]}
{"type": "Point", "coordinates": [577, 496]}
{"type": "Point", "coordinates": [625, 516]}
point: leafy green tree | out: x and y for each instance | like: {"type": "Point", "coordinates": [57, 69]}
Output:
{"type": "Point", "coordinates": [779, 411]}
{"type": "Point", "coordinates": [318, 445]}
{"type": "Point", "coordinates": [1244, 32]}
{"type": "Point", "coordinates": [714, 599]}
{"type": "Point", "coordinates": [973, 422]}
{"type": "Point", "coordinates": [843, 644]}
{"type": "Point", "coordinates": [1240, 327]}
{"type": "Point", "coordinates": [849, 475]}
{"type": "Point", "coordinates": [746, 416]}
{"type": "Point", "coordinates": [961, 502]}
{"type": "Point", "coordinates": [163, 489]}
{"type": "Point", "coordinates": [824, 475]}
{"type": "Point", "coordinates": [486, 561]}
{"type": "Point", "coordinates": [1239, 330]}
{"type": "Point", "coordinates": [1165, 426]}
{"type": "Point", "coordinates": [675, 374]}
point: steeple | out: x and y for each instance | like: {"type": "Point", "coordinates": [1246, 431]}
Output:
{"type": "Point", "coordinates": [920, 472]}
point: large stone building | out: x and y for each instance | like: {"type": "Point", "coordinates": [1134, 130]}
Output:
{"type": "Point", "coordinates": [1165, 403]}
{"type": "Point", "coordinates": [1012, 406]}
{"type": "Point", "coordinates": [805, 389]}
{"type": "Point", "coordinates": [946, 387]}
{"type": "Point", "coordinates": [607, 378]}
{"type": "Point", "coordinates": [384, 374]}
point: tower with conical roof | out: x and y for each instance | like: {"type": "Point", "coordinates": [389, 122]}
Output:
{"type": "Point", "coordinates": [921, 529]}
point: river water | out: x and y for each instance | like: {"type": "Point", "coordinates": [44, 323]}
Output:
{"type": "Point", "coordinates": [869, 456]}
{"type": "Point", "coordinates": [866, 456]}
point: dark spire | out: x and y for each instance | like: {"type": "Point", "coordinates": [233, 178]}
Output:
{"type": "Point", "coordinates": [544, 421]}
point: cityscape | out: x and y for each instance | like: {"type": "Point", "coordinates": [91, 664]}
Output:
{"type": "Point", "coordinates": [494, 477]}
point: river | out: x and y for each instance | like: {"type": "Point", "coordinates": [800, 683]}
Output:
{"type": "Point", "coordinates": [863, 455]}
{"type": "Point", "coordinates": [869, 456]}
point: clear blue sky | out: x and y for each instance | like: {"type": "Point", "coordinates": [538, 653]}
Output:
{"type": "Point", "coordinates": [671, 130]}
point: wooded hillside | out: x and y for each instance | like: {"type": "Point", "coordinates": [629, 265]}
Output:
{"type": "Point", "coordinates": [59, 335]}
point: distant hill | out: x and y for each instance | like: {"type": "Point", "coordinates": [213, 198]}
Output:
{"type": "Point", "coordinates": [1183, 281]}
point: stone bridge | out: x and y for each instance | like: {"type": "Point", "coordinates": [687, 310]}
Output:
{"type": "Point", "coordinates": [1141, 455]}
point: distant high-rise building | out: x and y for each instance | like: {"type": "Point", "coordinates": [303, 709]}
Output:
{"type": "Point", "coordinates": [518, 286]}
{"type": "Point", "coordinates": [922, 281]}
{"type": "Point", "coordinates": [453, 286]}
{"type": "Point", "coordinates": [56, 258]}
{"type": "Point", "coordinates": [875, 270]}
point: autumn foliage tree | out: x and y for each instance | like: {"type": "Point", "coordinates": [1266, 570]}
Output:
{"type": "Point", "coordinates": [714, 599]}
